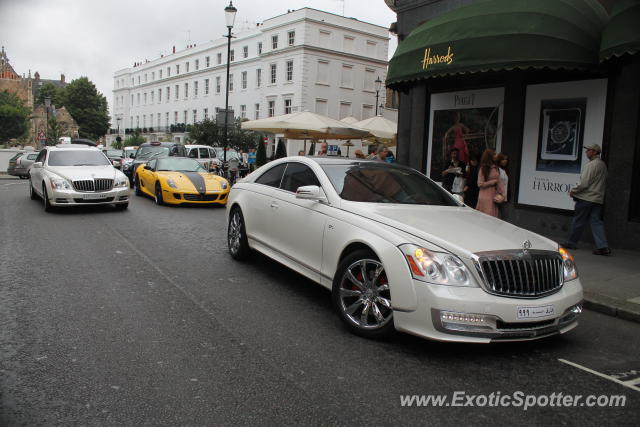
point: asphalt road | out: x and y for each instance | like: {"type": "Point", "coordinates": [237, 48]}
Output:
{"type": "Point", "coordinates": [142, 318]}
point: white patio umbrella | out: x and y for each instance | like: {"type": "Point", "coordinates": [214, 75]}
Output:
{"type": "Point", "coordinates": [350, 120]}
{"type": "Point", "coordinates": [382, 130]}
{"type": "Point", "coordinates": [306, 125]}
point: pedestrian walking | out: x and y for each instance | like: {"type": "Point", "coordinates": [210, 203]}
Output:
{"type": "Point", "coordinates": [589, 197]}
{"type": "Point", "coordinates": [502, 162]}
{"type": "Point", "coordinates": [491, 190]}
{"type": "Point", "coordinates": [472, 190]}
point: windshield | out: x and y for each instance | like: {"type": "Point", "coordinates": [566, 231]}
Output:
{"type": "Point", "coordinates": [179, 164]}
{"type": "Point", "coordinates": [381, 183]}
{"type": "Point", "coordinates": [231, 154]}
{"type": "Point", "coordinates": [78, 158]}
{"type": "Point", "coordinates": [151, 151]}
{"type": "Point", "coordinates": [114, 153]}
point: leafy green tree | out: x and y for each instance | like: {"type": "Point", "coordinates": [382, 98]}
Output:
{"type": "Point", "coordinates": [49, 90]}
{"type": "Point", "coordinates": [53, 131]}
{"type": "Point", "coordinates": [261, 154]}
{"type": "Point", "coordinates": [135, 139]}
{"type": "Point", "coordinates": [14, 117]}
{"type": "Point", "coordinates": [206, 132]}
{"type": "Point", "coordinates": [281, 150]}
{"type": "Point", "coordinates": [88, 107]}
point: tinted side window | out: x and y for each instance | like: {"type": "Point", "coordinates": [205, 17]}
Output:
{"type": "Point", "coordinates": [204, 153]}
{"type": "Point", "coordinates": [212, 153]}
{"type": "Point", "coordinates": [193, 153]}
{"type": "Point", "coordinates": [272, 177]}
{"type": "Point", "coordinates": [298, 175]}
{"type": "Point", "coordinates": [41, 156]}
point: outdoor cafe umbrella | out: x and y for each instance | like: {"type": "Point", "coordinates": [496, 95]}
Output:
{"type": "Point", "coordinates": [305, 125]}
{"type": "Point", "coordinates": [382, 130]}
{"type": "Point", "coordinates": [350, 120]}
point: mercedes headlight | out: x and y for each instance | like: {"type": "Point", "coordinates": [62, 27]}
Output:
{"type": "Point", "coordinates": [568, 265]}
{"type": "Point", "coordinates": [172, 183]}
{"type": "Point", "coordinates": [60, 184]}
{"type": "Point", "coordinates": [121, 182]}
{"type": "Point", "coordinates": [440, 268]}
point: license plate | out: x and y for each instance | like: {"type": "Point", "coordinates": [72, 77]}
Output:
{"type": "Point", "coordinates": [94, 196]}
{"type": "Point", "coordinates": [532, 312]}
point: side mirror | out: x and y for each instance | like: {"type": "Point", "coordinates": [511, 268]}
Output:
{"type": "Point", "coordinates": [132, 155]}
{"type": "Point", "coordinates": [36, 165]}
{"type": "Point", "coordinates": [147, 167]}
{"type": "Point", "coordinates": [458, 198]}
{"type": "Point", "coordinates": [311, 192]}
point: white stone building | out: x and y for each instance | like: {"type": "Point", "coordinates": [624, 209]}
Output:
{"type": "Point", "coordinates": [302, 60]}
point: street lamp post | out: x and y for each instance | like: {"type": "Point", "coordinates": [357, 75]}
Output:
{"type": "Point", "coordinates": [47, 105]}
{"type": "Point", "coordinates": [378, 86]}
{"type": "Point", "coordinates": [230, 16]}
{"type": "Point", "coordinates": [118, 122]}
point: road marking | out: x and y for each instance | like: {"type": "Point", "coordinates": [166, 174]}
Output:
{"type": "Point", "coordinates": [630, 384]}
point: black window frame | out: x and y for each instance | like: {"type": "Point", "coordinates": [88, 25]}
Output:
{"type": "Point", "coordinates": [281, 165]}
{"type": "Point", "coordinates": [295, 164]}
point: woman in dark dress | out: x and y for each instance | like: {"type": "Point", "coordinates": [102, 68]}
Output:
{"type": "Point", "coordinates": [471, 190]}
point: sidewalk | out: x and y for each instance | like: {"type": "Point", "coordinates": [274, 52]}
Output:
{"type": "Point", "coordinates": [611, 283]}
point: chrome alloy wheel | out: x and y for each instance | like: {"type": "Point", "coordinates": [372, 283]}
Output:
{"type": "Point", "coordinates": [364, 295]}
{"type": "Point", "coordinates": [235, 233]}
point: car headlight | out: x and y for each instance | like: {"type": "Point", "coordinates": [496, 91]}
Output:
{"type": "Point", "coordinates": [121, 182]}
{"type": "Point", "coordinates": [568, 265]}
{"type": "Point", "coordinates": [60, 184]}
{"type": "Point", "coordinates": [437, 267]}
{"type": "Point", "coordinates": [224, 185]}
{"type": "Point", "coordinates": [172, 183]}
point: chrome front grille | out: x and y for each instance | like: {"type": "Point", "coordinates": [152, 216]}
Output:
{"type": "Point", "coordinates": [525, 274]}
{"type": "Point", "coordinates": [93, 185]}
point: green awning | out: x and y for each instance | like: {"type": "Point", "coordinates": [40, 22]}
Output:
{"type": "Point", "coordinates": [622, 33]}
{"type": "Point", "coordinates": [501, 35]}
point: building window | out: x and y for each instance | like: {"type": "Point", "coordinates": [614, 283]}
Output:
{"type": "Point", "coordinates": [367, 111]}
{"type": "Point", "coordinates": [195, 88]}
{"type": "Point", "coordinates": [137, 121]}
{"type": "Point", "coordinates": [219, 58]}
{"type": "Point", "coordinates": [153, 76]}
{"type": "Point", "coordinates": [206, 113]}
{"type": "Point", "coordinates": [272, 108]}
{"type": "Point", "coordinates": [321, 107]}
{"type": "Point", "coordinates": [168, 93]}
{"type": "Point", "coordinates": [345, 110]}
{"type": "Point", "coordinates": [230, 82]}
{"type": "Point", "coordinates": [289, 71]}
{"type": "Point", "coordinates": [145, 77]}
{"type": "Point", "coordinates": [258, 77]}
{"type": "Point", "coordinates": [153, 96]}
{"type": "Point", "coordinates": [292, 37]}
{"type": "Point", "coordinates": [245, 52]}
{"type": "Point", "coordinates": [371, 48]}
{"type": "Point", "coordinates": [131, 121]}
{"type": "Point", "coordinates": [369, 79]}
{"type": "Point", "coordinates": [184, 117]}
{"type": "Point", "coordinates": [323, 72]}
{"type": "Point", "coordinates": [244, 80]}
{"type": "Point", "coordinates": [145, 98]}
{"type": "Point", "coordinates": [138, 79]}
{"type": "Point", "coordinates": [168, 71]}
{"type": "Point", "coordinates": [158, 120]}
{"type": "Point", "coordinates": [197, 64]}
{"type": "Point", "coordinates": [131, 99]}
{"type": "Point", "coordinates": [166, 119]}
{"type": "Point", "coordinates": [186, 90]}
{"type": "Point", "coordinates": [175, 117]}
{"type": "Point", "coordinates": [324, 38]}
{"type": "Point", "coordinates": [273, 73]}
{"type": "Point", "coordinates": [259, 48]}
{"type": "Point", "coordinates": [287, 106]}
{"type": "Point", "coordinates": [186, 67]}
{"type": "Point", "coordinates": [274, 41]}
{"type": "Point", "coordinates": [206, 86]}
{"type": "Point", "coordinates": [347, 44]}
{"type": "Point", "coordinates": [243, 111]}
{"type": "Point", "coordinates": [138, 99]}
{"type": "Point", "coordinates": [195, 116]}
{"type": "Point", "coordinates": [177, 69]}
{"type": "Point", "coordinates": [218, 84]}
{"type": "Point", "coordinates": [207, 61]}
{"type": "Point", "coordinates": [257, 111]}
{"type": "Point", "coordinates": [144, 121]}
{"type": "Point", "coordinates": [232, 55]}
{"type": "Point", "coordinates": [347, 76]}
{"type": "Point", "coordinates": [177, 94]}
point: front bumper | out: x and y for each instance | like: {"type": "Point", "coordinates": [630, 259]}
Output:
{"type": "Point", "coordinates": [78, 198]}
{"type": "Point", "coordinates": [462, 314]}
{"type": "Point", "coordinates": [176, 197]}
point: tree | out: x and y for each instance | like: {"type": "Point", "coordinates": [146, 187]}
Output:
{"type": "Point", "coordinates": [206, 132]}
{"type": "Point", "coordinates": [88, 107]}
{"type": "Point", "coordinates": [281, 150]}
{"type": "Point", "coordinates": [53, 131]}
{"type": "Point", "coordinates": [117, 144]}
{"type": "Point", "coordinates": [14, 117]}
{"type": "Point", "coordinates": [135, 139]}
{"type": "Point", "coordinates": [49, 90]}
{"type": "Point", "coordinates": [261, 155]}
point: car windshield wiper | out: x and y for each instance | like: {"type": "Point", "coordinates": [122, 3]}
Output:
{"type": "Point", "coordinates": [87, 164]}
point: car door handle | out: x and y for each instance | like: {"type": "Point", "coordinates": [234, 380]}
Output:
{"type": "Point", "coordinates": [274, 204]}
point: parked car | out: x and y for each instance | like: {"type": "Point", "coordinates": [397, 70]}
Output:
{"type": "Point", "coordinates": [180, 180]}
{"type": "Point", "coordinates": [148, 150]}
{"type": "Point", "coordinates": [116, 157]}
{"type": "Point", "coordinates": [76, 174]}
{"type": "Point", "coordinates": [400, 253]}
{"type": "Point", "coordinates": [205, 155]}
{"type": "Point", "coordinates": [20, 163]}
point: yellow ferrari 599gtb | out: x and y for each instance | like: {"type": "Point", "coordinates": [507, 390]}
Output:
{"type": "Point", "coordinates": [179, 180]}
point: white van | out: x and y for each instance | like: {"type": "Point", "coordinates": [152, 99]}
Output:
{"type": "Point", "coordinates": [204, 154]}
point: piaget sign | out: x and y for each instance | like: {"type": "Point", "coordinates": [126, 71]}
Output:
{"type": "Point", "coordinates": [432, 59]}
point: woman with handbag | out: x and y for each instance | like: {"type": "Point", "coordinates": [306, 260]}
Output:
{"type": "Point", "coordinates": [491, 189]}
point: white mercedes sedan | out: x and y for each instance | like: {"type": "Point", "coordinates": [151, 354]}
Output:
{"type": "Point", "coordinates": [400, 253]}
{"type": "Point", "coordinates": [75, 174]}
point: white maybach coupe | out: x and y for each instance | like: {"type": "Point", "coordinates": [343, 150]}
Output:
{"type": "Point", "coordinates": [400, 253]}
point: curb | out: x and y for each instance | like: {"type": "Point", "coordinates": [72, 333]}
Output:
{"type": "Point", "coordinates": [612, 306]}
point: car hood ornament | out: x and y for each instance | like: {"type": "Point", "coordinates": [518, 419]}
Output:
{"type": "Point", "coordinates": [526, 245]}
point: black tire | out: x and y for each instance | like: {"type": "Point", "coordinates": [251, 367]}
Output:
{"type": "Point", "coordinates": [45, 197]}
{"type": "Point", "coordinates": [32, 194]}
{"type": "Point", "coordinates": [367, 299]}
{"type": "Point", "coordinates": [237, 241]}
{"type": "Point", "coordinates": [122, 206]}
{"type": "Point", "coordinates": [23, 177]}
{"type": "Point", "coordinates": [136, 186]}
{"type": "Point", "coordinates": [159, 199]}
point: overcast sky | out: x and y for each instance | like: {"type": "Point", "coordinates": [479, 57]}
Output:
{"type": "Point", "coordinates": [94, 38]}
